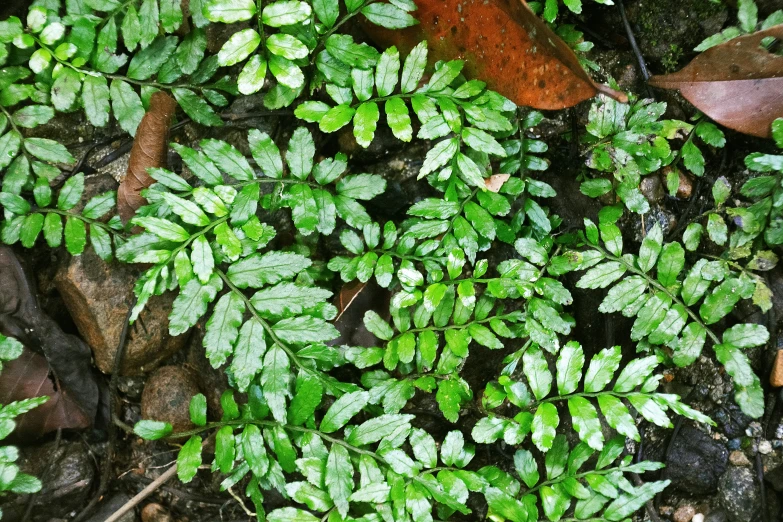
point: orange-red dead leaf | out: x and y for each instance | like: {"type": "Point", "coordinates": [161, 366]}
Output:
{"type": "Point", "coordinates": [503, 43]}
{"type": "Point", "coordinates": [496, 181]}
{"type": "Point", "coordinates": [739, 83]}
{"type": "Point", "coordinates": [149, 150]}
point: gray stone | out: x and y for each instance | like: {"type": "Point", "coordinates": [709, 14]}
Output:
{"type": "Point", "coordinates": [717, 516]}
{"type": "Point", "coordinates": [739, 494]}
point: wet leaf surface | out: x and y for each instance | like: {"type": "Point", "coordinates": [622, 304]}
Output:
{"type": "Point", "coordinates": [503, 43]}
{"type": "Point", "coordinates": [739, 83]}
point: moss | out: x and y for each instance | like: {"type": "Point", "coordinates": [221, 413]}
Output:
{"type": "Point", "coordinates": [668, 29]}
{"type": "Point", "coordinates": [672, 59]}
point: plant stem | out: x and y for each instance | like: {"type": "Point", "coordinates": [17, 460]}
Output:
{"type": "Point", "coordinates": [121, 77]}
{"type": "Point", "coordinates": [16, 129]}
{"type": "Point", "coordinates": [330, 32]}
{"type": "Point", "coordinates": [576, 476]}
{"type": "Point", "coordinates": [652, 282]}
{"type": "Point", "coordinates": [455, 326]}
{"type": "Point", "coordinates": [268, 329]}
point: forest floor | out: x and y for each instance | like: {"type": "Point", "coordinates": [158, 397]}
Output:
{"type": "Point", "coordinates": [715, 473]}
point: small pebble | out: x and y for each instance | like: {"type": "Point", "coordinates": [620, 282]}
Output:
{"type": "Point", "coordinates": [738, 458]}
{"type": "Point", "coordinates": [155, 513]}
{"type": "Point", "coordinates": [652, 188]}
{"type": "Point", "coordinates": [765, 447]}
{"type": "Point", "coordinates": [754, 430]}
{"type": "Point", "coordinates": [684, 514]}
{"type": "Point", "coordinates": [734, 444]}
{"type": "Point", "coordinates": [698, 517]}
{"type": "Point", "coordinates": [166, 397]}
{"type": "Point", "coordinates": [666, 510]}
{"type": "Point", "coordinates": [685, 188]}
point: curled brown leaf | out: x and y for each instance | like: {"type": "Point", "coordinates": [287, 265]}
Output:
{"type": "Point", "coordinates": [149, 150]}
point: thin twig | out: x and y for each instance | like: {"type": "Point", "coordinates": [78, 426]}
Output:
{"type": "Point", "coordinates": [132, 477]}
{"type": "Point", "coordinates": [635, 47]}
{"type": "Point", "coordinates": [144, 493]}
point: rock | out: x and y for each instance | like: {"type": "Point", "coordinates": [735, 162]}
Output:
{"type": "Point", "coordinates": [739, 495]}
{"type": "Point", "coordinates": [730, 419]}
{"type": "Point", "coordinates": [717, 516]}
{"type": "Point", "coordinates": [685, 187]}
{"type": "Point", "coordinates": [765, 447]}
{"type": "Point", "coordinates": [698, 517]}
{"type": "Point", "coordinates": [109, 506]}
{"type": "Point", "coordinates": [66, 472]}
{"type": "Point", "coordinates": [738, 458]}
{"type": "Point", "coordinates": [652, 188]}
{"type": "Point", "coordinates": [696, 462]}
{"type": "Point", "coordinates": [773, 470]}
{"type": "Point", "coordinates": [97, 295]}
{"type": "Point", "coordinates": [167, 395]}
{"type": "Point", "coordinates": [155, 513]}
{"type": "Point", "coordinates": [684, 514]}
{"type": "Point", "coordinates": [754, 429]}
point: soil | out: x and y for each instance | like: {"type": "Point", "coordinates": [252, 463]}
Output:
{"type": "Point", "coordinates": [703, 476]}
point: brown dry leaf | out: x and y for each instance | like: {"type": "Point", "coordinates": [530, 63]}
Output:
{"type": "Point", "coordinates": [28, 377]}
{"type": "Point", "coordinates": [149, 150]}
{"type": "Point", "coordinates": [496, 181]}
{"type": "Point", "coordinates": [739, 84]}
{"type": "Point", "coordinates": [503, 43]}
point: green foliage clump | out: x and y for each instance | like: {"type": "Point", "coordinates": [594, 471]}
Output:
{"type": "Point", "coordinates": [629, 141]}
{"type": "Point", "coordinates": [475, 265]}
